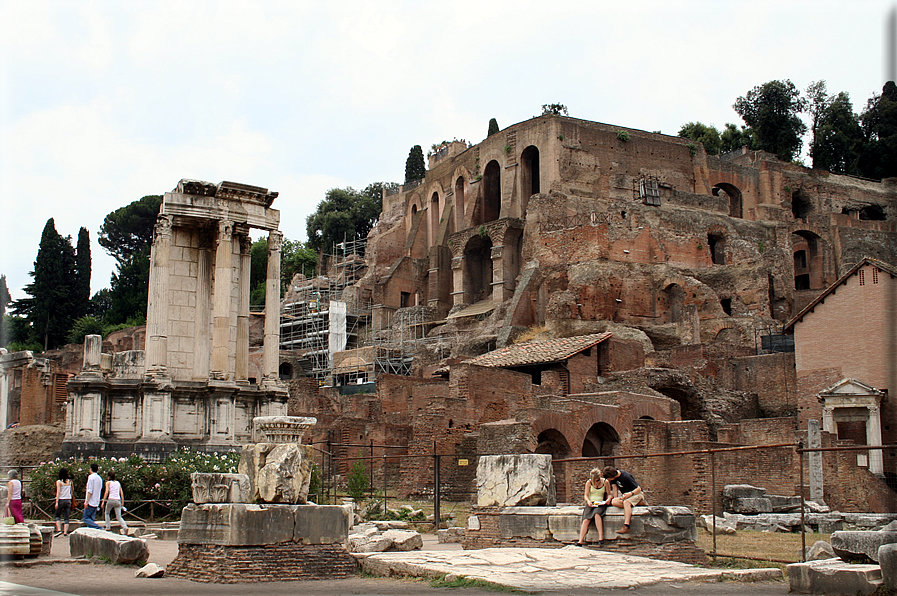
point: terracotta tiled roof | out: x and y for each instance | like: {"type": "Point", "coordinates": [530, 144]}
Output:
{"type": "Point", "coordinates": [890, 269]}
{"type": "Point", "coordinates": [538, 352]}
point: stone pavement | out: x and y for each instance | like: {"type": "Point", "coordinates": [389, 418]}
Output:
{"type": "Point", "coordinates": [548, 569]}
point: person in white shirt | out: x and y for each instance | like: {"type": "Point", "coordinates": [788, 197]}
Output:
{"type": "Point", "coordinates": [63, 502]}
{"type": "Point", "coordinates": [92, 497]}
{"type": "Point", "coordinates": [114, 498]}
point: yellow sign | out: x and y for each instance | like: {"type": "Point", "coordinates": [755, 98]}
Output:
{"type": "Point", "coordinates": [462, 462]}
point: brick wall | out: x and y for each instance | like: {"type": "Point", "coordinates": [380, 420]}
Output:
{"type": "Point", "coordinates": [287, 561]}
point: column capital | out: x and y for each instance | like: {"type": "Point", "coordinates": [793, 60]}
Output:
{"type": "Point", "coordinates": [245, 245]}
{"type": "Point", "coordinates": [275, 241]}
{"type": "Point", "coordinates": [225, 230]}
{"type": "Point", "coordinates": [163, 226]}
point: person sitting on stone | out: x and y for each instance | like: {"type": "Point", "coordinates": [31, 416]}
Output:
{"type": "Point", "coordinates": [597, 497]}
{"type": "Point", "coordinates": [627, 494]}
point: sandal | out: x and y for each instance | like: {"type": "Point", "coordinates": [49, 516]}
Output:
{"type": "Point", "coordinates": [57, 534]}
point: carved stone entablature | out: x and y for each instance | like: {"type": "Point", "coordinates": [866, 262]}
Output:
{"type": "Point", "coordinates": [283, 429]}
{"type": "Point", "coordinates": [220, 488]}
{"type": "Point", "coordinates": [226, 190]}
{"type": "Point", "coordinates": [194, 200]}
{"type": "Point", "coordinates": [497, 231]}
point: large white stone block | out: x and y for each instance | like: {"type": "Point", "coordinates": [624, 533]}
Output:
{"type": "Point", "coordinates": [515, 480]}
{"type": "Point", "coordinates": [278, 472]}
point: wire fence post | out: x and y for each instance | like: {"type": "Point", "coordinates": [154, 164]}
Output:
{"type": "Point", "coordinates": [803, 525]}
{"type": "Point", "coordinates": [436, 512]}
{"type": "Point", "coordinates": [385, 484]}
{"type": "Point", "coordinates": [371, 472]}
{"type": "Point", "coordinates": [713, 498]}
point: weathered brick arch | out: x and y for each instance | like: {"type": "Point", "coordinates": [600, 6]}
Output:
{"type": "Point", "coordinates": [606, 414]}
{"type": "Point", "coordinates": [413, 202]}
{"type": "Point", "coordinates": [553, 421]}
{"type": "Point", "coordinates": [460, 176]}
{"type": "Point", "coordinates": [434, 188]}
{"type": "Point", "coordinates": [651, 410]}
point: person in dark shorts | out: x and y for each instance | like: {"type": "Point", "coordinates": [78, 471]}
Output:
{"type": "Point", "coordinates": [627, 494]}
{"type": "Point", "coordinates": [597, 498]}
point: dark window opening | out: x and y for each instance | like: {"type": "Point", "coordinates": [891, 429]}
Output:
{"type": "Point", "coordinates": [286, 371]}
{"type": "Point", "coordinates": [802, 282]}
{"type": "Point", "coordinates": [553, 443]}
{"type": "Point", "coordinates": [717, 245]}
{"type": "Point", "coordinates": [800, 259]}
{"type": "Point", "coordinates": [726, 303]}
{"type": "Point", "coordinates": [872, 213]}
{"type": "Point", "coordinates": [405, 300]}
{"type": "Point", "coordinates": [600, 440]}
{"type": "Point", "coordinates": [491, 192]}
{"type": "Point", "coordinates": [726, 190]}
{"type": "Point", "coordinates": [530, 160]}
{"type": "Point", "coordinates": [800, 206]}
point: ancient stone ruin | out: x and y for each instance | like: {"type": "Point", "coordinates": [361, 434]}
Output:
{"type": "Point", "coordinates": [256, 525]}
{"type": "Point", "coordinates": [194, 385]}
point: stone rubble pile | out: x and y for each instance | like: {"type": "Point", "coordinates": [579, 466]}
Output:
{"type": "Point", "coordinates": [383, 536]}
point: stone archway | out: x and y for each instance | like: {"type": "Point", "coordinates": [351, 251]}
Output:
{"type": "Point", "coordinates": [553, 442]}
{"type": "Point", "coordinates": [806, 247]}
{"type": "Point", "coordinates": [724, 189]}
{"type": "Point", "coordinates": [600, 440]}
{"type": "Point", "coordinates": [491, 197]}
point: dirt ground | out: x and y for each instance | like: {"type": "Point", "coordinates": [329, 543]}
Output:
{"type": "Point", "coordinates": [100, 579]}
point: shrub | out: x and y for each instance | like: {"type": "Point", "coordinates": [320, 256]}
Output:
{"type": "Point", "coordinates": [623, 135]}
{"type": "Point", "coordinates": [167, 482]}
{"type": "Point", "coordinates": [358, 480]}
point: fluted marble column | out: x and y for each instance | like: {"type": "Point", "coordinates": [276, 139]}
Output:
{"type": "Point", "coordinates": [242, 357]}
{"type": "Point", "coordinates": [272, 309]}
{"type": "Point", "coordinates": [157, 307]}
{"type": "Point", "coordinates": [873, 438]}
{"type": "Point", "coordinates": [221, 301]}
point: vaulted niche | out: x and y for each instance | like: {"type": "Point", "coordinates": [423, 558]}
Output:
{"type": "Point", "coordinates": [600, 440]}
{"type": "Point", "coordinates": [689, 404]}
{"type": "Point", "coordinates": [491, 193]}
{"type": "Point", "coordinates": [553, 443]}
{"type": "Point", "coordinates": [459, 203]}
{"type": "Point", "coordinates": [434, 218]}
{"type": "Point", "coordinates": [807, 250]}
{"type": "Point", "coordinates": [670, 304]}
{"type": "Point", "coordinates": [717, 245]}
{"type": "Point", "coordinates": [478, 269]}
{"type": "Point", "coordinates": [800, 205]}
{"type": "Point", "coordinates": [530, 161]}
{"type": "Point", "coordinates": [724, 189]}
{"type": "Point", "coordinates": [872, 213]}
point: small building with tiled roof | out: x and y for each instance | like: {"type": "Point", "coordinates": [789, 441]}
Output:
{"type": "Point", "coordinates": [575, 360]}
{"type": "Point", "coordinates": [849, 332]}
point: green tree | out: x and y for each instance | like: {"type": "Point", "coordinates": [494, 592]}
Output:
{"type": "Point", "coordinates": [556, 109]}
{"type": "Point", "coordinates": [344, 214]}
{"type": "Point", "coordinates": [82, 272]}
{"type": "Point", "coordinates": [127, 235]}
{"type": "Point", "coordinates": [837, 135]}
{"type": "Point", "coordinates": [51, 306]}
{"type": "Point", "coordinates": [733, 139]}
{"type": "Point", "coordinates": [358, 481]}
{"type": "Point", "coordinates": [878, 158]}
{"type": "Point", "coordinates": [708, 135]}
{"type": "Point", "coordinates": [493, 127]}
{"type": "Point", "coordinates": [296, 258]}
{"type": "Point", "coordinates": [414, 166]}
{"type": "Point", "coordinates": [5, 301]}
{"type": "Point", "coordinates": [772, 111]}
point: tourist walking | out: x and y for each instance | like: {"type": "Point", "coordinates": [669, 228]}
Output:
{"type": "Point", "coordinates": [92, 497]}
{"type": "Point", "coordinates": [114, 499]}
{"type": "Point", "coordinates": [63, 502]}
{"type": "Point", "coordinates": [627, 494]}
{"type": "Point", "coordinates": [596, 496]}
{"type": "Point", "coordinates": [14, 497]}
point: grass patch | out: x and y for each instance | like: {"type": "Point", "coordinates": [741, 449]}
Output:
{"type": "Point", "coordinates": [442, 581]}
{"type": "Point", "coordinates": [771, 545]}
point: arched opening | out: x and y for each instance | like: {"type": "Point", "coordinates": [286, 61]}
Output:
{"type": "Point", "coordinates": [724, 189]}
{"type": "Point", "coordinates": [553, 443]}
{"type": "Point", "coordinates": [491, 192]}
{"type": "Point", "coordinates": [728, 336]}
{"type": "Point", "coordinates": [717, 245]}
{"type": "Point", "coordinates": [807, 250]}
{"type": "Point", "coordinates": [530, 161]}
{"type": "Point", "coordinates": [689, 405]}
{"type": "Point", "coordinates": [459, 203]}
{"type": "Point", "coordinates": [478, 269]}
{"type": "Point", "coordinates": [285, 371]}
{"type": "Point", "coordinates": [434, 218]}
{"type": "Point", "coordinates": [645, 418]}
{"type": "Point", "coordinates": [600, 440]}
{"type": "Point", "coordinates": [670, 304]}
{"type": "Point", "coordinates": [726, 304]}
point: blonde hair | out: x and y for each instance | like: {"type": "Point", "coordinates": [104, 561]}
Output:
{"type": "Point", "coordinates": [595, 475]}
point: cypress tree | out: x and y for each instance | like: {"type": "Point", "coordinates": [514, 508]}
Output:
{"type": "Point", "coordinates": [493, 127]}
{"type": "Point", "coordinates": [414, 165]}
{"type": "Point", "coordinates": [49, 309]}
{"type": "Point", "coordinates": [82, 273]}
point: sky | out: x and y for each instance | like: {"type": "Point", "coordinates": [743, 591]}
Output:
{"type": "Point", "coordinates": [102, 103]}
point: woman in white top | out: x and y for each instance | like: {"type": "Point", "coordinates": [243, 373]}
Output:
{"type": "Point", "coordinates": [63, 502]}
{"type": "Point", "coordinates": [14, 497]}
{"type": "Point", "coordinates": [114, 498]}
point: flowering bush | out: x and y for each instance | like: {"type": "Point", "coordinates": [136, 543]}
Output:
{"type": "Point", "coordinates": [167, 482]}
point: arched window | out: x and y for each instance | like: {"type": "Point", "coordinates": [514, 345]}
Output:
{"type": "Point", "coordinates": [724, 189]}
{"type": "Point", "coordinates": [491, 192]}
{"type": "Point", "coordinates": [459, 203]}
{"type": "Point", "coordinates": [600, 440]}
{"type": "Point", "coordinates": [434, 218]}
{"type": "Point", "coordinates": [530, 161]}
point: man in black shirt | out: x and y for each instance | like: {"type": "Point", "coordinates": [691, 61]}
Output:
{"type": "Point", "coordinates": [627, 494]}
